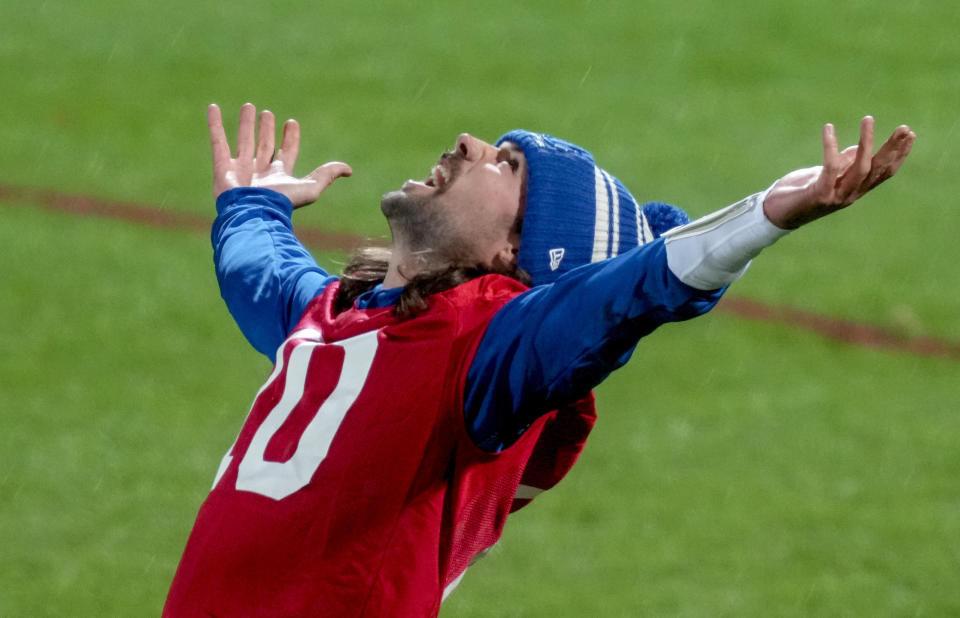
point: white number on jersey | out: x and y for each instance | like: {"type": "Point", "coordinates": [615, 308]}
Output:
{"type": "Point", "coordinates": [278, 480]}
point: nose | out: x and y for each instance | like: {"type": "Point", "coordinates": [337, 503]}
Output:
{"type": "Point", "coordinates": [471, 148]}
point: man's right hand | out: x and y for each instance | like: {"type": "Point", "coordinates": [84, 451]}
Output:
{"type": "Point", "coordinates": [256, 164]}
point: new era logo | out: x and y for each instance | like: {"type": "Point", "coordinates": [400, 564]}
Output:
{"type": "Point", "coordinates": [556, 256]}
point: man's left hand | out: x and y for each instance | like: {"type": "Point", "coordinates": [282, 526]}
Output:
{"type": "Point", "coordinates": [807, 194]}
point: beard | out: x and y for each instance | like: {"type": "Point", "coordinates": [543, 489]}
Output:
{"type": "Point", "coordinates": [428, 231]}
{"type": "Point", "coordinates": [422, 225]}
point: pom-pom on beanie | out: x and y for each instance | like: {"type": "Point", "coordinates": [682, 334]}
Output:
{"type": "Point", "coordinates": [577, 213]}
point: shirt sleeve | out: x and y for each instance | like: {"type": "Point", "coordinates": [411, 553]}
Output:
{"type": "Point", "coordinates": [715, 250]}
{"type": "Point", "coordinates": [267, 278]}
{"type": "Point", "coordinates": [552, 344]}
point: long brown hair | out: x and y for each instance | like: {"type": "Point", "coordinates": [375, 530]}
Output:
{"type": "Point", "coordinates": [368, 267]}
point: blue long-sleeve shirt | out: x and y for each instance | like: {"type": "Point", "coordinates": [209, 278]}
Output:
{"type": "Point", "coordinates": [546, 347]}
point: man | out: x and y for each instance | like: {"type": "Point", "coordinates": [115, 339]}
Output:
{"type": "Point", "coordinates": [419, 399]}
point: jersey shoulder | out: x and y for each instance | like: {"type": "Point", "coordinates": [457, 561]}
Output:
{"type": "Point", "coordinates": [485, 290]}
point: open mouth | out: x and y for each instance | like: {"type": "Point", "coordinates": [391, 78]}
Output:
{"type": "Point", "coordinates": [439, 176]}
{"type": "Point", "coordinates": [444, 172]}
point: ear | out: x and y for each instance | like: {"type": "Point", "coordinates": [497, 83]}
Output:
{"type": "Point", "coordinates": [506, 258]}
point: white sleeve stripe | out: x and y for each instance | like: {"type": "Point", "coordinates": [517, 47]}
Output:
{"type": "Point", "coordinates": [456, 581]}
{"type": "Point", "coordinates": [452, 586]}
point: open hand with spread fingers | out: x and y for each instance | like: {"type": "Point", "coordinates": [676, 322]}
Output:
{"type": "Point", "coordinates": [807, 194]}
{"type": "Point", "coordinates": [257, 165]}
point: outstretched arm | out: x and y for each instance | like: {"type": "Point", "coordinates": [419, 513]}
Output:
{"type": "Point", "coordinates": [266, 276]}
{"type": "Point", "coordinates": [715, 250]}
{"type": "Point", "coordinates": [569, 335]}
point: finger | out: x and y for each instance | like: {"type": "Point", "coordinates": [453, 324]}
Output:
{"type": "Point", "coordinates": [265, 141]}
{"type": "Point", "coordinates": [324, 176]}
{"type": "Point", "coordinates": [890, 157]}
{"type": "Point", "coordinates": [328, 172]}
{"type": "Point", "coordinates": [218, 137]}
{"type": "Point", "coordinates": [245, 132]}
{"type": "Point", "coordinates": [313, 184]}
{"type": "Point", "coordinates": [847, 156]}
{"type": "Point", "coordinates": [832, 162]}
{"type": "Point", "coordinates": [865, 147]}
{"type": "Point", "coordinates": [896, 147]}
{"type": "Point", "coordinates": [290, 145]}
{"type": "Point", "coordinates": [220, 147]}
{"type": "Point", "coordinates": [854, 176]}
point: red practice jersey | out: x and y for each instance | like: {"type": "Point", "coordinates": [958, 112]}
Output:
{"type": "Point", "coordinates": [353, 488]}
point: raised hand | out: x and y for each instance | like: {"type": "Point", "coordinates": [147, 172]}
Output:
{"type": "Point", "coordinates": [807, 194]}
{"type": "Point", "coordinates": [256, 164]}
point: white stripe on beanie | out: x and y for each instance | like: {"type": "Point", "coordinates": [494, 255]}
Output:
{"type": "Point", "coordinates": [644, 233]}
{"type": "Point", "coordinates": [601, 226]}
{"type": "Point", "coordinates": [614, 213]}
{"type": "Point", "coordinates": [641, 221]}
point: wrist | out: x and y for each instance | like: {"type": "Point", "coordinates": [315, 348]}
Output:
{"type": "Point", "coordinates": [254, 197]}
{"type": "Point", "coordinates": [715, 250]}
{"type": "Point", "coordinates": [789, 207]}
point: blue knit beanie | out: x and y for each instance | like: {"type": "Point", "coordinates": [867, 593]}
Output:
{"type": "Point", "coordinates": [577, 213]}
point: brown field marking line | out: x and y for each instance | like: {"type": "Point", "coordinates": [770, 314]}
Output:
{"type": "Point", "coordinates": [153, 216]}
{"type": "Point", "coordinates": [847, 331]}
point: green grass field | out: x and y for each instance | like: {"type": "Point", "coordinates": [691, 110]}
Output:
{"type": "Point", "coordinates": [738, 468]}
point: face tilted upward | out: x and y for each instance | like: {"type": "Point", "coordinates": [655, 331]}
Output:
{"type": "Point", "coordinates": [468, 209]}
